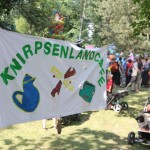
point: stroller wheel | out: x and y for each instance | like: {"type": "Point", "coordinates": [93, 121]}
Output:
{"type": "Point", "coordinates": [117, 108]}
{"type": "Point", "coordinates": [131, 138]}
{"type": "Point", "coordinates": [109, 107]}
{"type": "Point", "coordinates": [124, 105]}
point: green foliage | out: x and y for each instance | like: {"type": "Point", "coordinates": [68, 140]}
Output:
{"type": "Point", "coordinates": [77, 22]}
{"type": "Point", "coordinates": [115, 27]}
{"type": "Point", "coordinates": [7, 5]}
{"type": "Point", "coordinates": [5, 13]}
{"type": "Point", "coordinates": [142, 23]}
{"type": "Point", "coordinates": [79, 16]}
{"type": "Point", "coordinates": [117, 17]}
{"type": "Point", "coordinates": [98, 22]}
{"type": "Point", "coordinates": [21, 25]}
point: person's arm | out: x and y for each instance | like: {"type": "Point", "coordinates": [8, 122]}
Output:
{"type": "Point", "coordinates": [142, 66]}
{"type": "Point", "coordinates": [109, 88]}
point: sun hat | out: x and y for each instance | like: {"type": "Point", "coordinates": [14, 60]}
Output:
{"type": "Point", "coordinates": [79, 41]}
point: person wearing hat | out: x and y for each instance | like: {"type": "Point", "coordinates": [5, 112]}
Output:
{"type": "Point", "coordinates": [79, 43]}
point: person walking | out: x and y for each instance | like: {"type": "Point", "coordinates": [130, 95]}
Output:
{"type": "Point", "coordinates": [139, 74]}
{"type": "Point", "coordinates": [133, 76]}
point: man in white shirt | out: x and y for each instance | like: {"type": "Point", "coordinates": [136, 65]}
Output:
{"type": "Point", "coordinates": [134, 75]}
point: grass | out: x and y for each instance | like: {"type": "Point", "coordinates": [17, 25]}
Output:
{"type": "Point", "coordinates": [100, 130]}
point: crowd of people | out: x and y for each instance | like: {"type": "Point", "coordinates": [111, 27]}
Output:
{"type": "Point", "coordinates": [130, 71]}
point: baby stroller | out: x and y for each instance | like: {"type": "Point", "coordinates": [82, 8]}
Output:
{"type": "Point", "coordinates": [143, 120]}
{"type": "Point", "coordinates": [114, 103]}
{"type": "Point", "coordinates": [69, 119]}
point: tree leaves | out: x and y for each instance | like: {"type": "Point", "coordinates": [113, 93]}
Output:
{"type": "Point", "coordinates": [142, 22]}
{"type": "Point", "coordinates": [103, 22]}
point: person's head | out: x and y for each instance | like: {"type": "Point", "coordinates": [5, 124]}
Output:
{"type": "Point", "coordinates": [129, 60]}
{"type": "Point", "coordinates": [110, 76]}
{"type": "Point", "coordinates": [137, 55]}
{"type": "Point", "coordinates": [79, 43]}
{"type": "Point", "coordinates": [140, 58]}
{"type": "Point", "coordinates": [114, 59]}
{"type": "Point", "coordinates": [117, 55]}
{"type": "Point", "coordinates": [146, 59]}
{"type": "Point", "coordinates": [120, 58]}
{"type": "Point", "coordinates": [121, 54]}
{"type": "Point", "coordinates": [136, 59]}
{"type": "Point", "coordinates": [131, 51]}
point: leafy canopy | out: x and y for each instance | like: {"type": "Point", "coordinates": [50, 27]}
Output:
{"type": "Point", "coordinates": [142, 22]}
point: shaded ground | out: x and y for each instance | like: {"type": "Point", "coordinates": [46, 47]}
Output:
{"type": "Point", "coordinates": [101, 130]}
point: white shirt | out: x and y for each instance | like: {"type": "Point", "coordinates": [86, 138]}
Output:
{"type": "Point", "coordinates": [135, 69]}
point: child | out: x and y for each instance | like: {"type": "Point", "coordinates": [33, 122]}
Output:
{"type": "Point", "coordinates": [109, 85]}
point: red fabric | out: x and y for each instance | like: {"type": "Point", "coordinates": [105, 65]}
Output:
{"type": "Point", "coordinates": [129, 65]}
{"type": "Point", "coordinates": [114, 67]}
{"type": "Point", "coordinates": [109, 85]}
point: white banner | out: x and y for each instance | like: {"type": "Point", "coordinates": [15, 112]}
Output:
{"type": "Point", "coordinates": [46, 78]}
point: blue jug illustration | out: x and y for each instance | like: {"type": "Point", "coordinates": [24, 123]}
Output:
{"type": "Point", "coordinates": [30, 95]}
